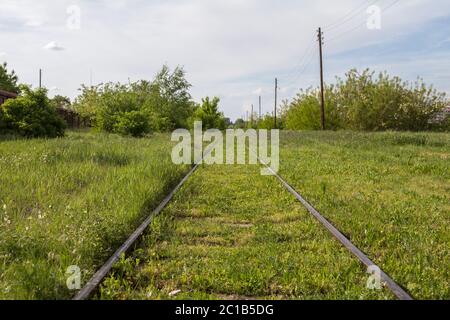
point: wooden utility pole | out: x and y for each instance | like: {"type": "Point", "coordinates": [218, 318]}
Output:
{"type": "Point", "coordinates": [276, 102]}
{"type": "Point", "coordinates": [251, 117]}
{"type": "Point", "coordinates": [40, 78]}
{"type": "Point", "coordinates": [322, 97]}
{"type": "Point", "coordinates": [260, 108]}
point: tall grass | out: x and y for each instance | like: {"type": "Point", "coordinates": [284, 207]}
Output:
{"type": "Point", "coordinates": [388, 192]}
{"type": "Point", "coordinates": [72, 201]}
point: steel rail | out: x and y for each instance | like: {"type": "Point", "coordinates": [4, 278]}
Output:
{"type": "Point", "coordinates": [396, 289]}
{"type": "Point", "coordinates": [98, 277]}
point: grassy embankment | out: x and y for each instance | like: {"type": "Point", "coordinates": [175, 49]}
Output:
{"type": "Point", "coordinates": [73, 201]}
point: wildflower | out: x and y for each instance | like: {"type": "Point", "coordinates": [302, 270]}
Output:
{"type": "Point", "coordinates": [7, 221]}
{"type": "Point", "coordinates": [174, 293]}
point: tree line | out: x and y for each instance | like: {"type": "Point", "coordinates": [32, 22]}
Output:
{"type": "Point", "coordinates": [363, 101]}
{"type": "Point", "coordinates": [134, 109]}
{"type": "Point", "coordinates": [360, 101]}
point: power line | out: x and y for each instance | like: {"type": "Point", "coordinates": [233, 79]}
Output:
{"type": "Point", "coordinates": [303, 70]}
{"type": "Point", "coordinates": [302, 60]}
{"type": "Point", "coordinates": [350, 15]}
{"type": "Point", "coordinates": [340, 35]}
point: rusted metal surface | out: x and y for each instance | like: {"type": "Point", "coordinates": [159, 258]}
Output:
{"type": "Point", "coordinates": [397, 290]}
{"type": "Point", "coordinates": [98, 277]}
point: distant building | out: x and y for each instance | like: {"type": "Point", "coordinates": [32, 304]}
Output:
{"type": "Point", "coordinates": [5, 95]}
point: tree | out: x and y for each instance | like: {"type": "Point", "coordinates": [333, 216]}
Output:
{"type": "Point", "coordinates": [173, 103]}
{"type": "Point", "coordinates": [208, 113]}
{"type": "Point", "coordinates": [240, 124]}
{"type": "Point", "coordinates": [161, 105]}
{"type": "Point", "coordinates": [31, 115]}
{"type": "Point", "coordinates": [59, 101]}
{"type": "Point", "coordinates": [8, 80]}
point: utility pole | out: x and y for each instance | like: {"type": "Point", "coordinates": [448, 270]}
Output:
{"type": "Point", "coordinates": [260, 108]}
{"type": "Point", "coordinates": [276, 103]}
{"type": "Point", "coordinates": [322, 98]}
{"type": "Point", "coordinates": [40, 78]}
{"type": "Point", "coordinates": [247, 118]}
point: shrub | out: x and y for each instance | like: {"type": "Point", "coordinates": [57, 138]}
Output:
{"type": "Point", "coordinates": [364, 102]}
{"type": "Point", "coordinates": [31, 115]}
{"type": "Point", "coordinates": [208, 113]}
{"type": "Point", "coordinates": [133, 123]}
{"type": "Point", "coordinates": [136, 108]}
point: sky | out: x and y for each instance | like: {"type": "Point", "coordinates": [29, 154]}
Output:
{"type": "Point", "coordinates": [232, 49]}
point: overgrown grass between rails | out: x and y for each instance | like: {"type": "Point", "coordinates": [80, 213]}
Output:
{"type": "Point", "coordinates": [231, 233]}
{"type": "Point", "coordinates": [73, 201]}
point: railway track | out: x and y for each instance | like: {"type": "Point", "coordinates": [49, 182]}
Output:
{"type": "Point", "coordinates": [92, 285]}
{"type": "Point", "coordinates": [396, 289]}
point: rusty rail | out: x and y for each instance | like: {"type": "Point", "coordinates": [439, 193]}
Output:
{"type": "Point", "coordinates": [98, 277]}
{"type": "Point", "coordinates": [396, 289]}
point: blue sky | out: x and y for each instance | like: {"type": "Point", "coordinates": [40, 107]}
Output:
{"type": "Point", "coordinates": [233, 49]}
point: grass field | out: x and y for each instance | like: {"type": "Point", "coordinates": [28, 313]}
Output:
{"type": "Point", "coordinates": [234, 234]}
{"type": "Point", "coordinates": [230, 232]}
{"type": "Point", "coordinates": [388, 192]}
{"type": "Point", "coordinates": [73, 201]}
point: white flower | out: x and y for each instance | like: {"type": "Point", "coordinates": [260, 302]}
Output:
{"type": "Point", "coordinates": [174, 293]}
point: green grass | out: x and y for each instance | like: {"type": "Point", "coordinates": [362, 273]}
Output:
{"type": "Point", "coordinates": [229, 233]}
{"type": "Point", "coordinates": [388, 192]}
{"type": "Point", "coordinates": [233, 234]}
{"type": "Point", "coordinates": [73, 201]}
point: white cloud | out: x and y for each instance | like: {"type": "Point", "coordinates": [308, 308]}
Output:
{"type": "Point", "coordinates": [53, 46]}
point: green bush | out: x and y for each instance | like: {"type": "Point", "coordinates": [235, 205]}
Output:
{"type": "Point", "coordinates": [137, 108]}
{"type": "Point", "coordinates": [31, 115]}
{"type": "Point", "coordinates": [208, 113]}
{"type": "Point", "coordinates": [267, 122]}
{"type": "Point", "coordinates": [364, 102]}
{"type": "Point", "coordinates": [133, 123]}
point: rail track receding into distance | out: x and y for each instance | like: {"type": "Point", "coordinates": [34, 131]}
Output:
{"type": "Point", "coordinates": [95, 281]}
{"type": "Point", "coordinates": [396, 289]}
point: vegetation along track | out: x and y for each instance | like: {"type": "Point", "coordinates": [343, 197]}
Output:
{"type": "Point", "coordinates": [219, 239]}
{"type": "Point", "coordinates": [215, 241]}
